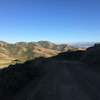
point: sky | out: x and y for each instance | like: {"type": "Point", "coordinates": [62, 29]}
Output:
{"type": "Point", "coordinates": [53, 20]}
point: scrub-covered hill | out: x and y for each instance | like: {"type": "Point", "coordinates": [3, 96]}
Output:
{"type": "Point", "coordinates": [23, 51]}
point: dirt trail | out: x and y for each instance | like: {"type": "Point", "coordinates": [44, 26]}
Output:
{"type": "Point", "coordinates": [64, 81]}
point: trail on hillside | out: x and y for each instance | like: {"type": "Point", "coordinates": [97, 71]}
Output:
{"type": "Point", "coordinates": [65, 80]}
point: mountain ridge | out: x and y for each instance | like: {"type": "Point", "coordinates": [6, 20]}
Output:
{"type": "Point", "coordinates": [23, 51]}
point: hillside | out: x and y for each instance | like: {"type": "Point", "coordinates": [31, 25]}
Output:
{"type": "Point", "coordinates": [23, 51]}
{"type": "Point", "coordinates": [73, 75]}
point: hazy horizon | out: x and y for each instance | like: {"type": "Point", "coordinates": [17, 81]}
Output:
{"type": "Point", "coordinates": [59, 21]}
{"type": "Point", "coordinates": [56, 42]}
{"type": "Point", "coordinates": [80, 44]}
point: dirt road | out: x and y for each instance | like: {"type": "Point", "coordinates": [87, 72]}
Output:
{"type": "Point", "coordinates": [64, 81]}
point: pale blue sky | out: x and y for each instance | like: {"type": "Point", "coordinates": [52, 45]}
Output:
{"type": "Point", "coordinates": [53, 20]}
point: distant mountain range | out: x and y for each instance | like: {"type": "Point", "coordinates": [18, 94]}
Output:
{"type": "Point", "coordinates": [23, 51]}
